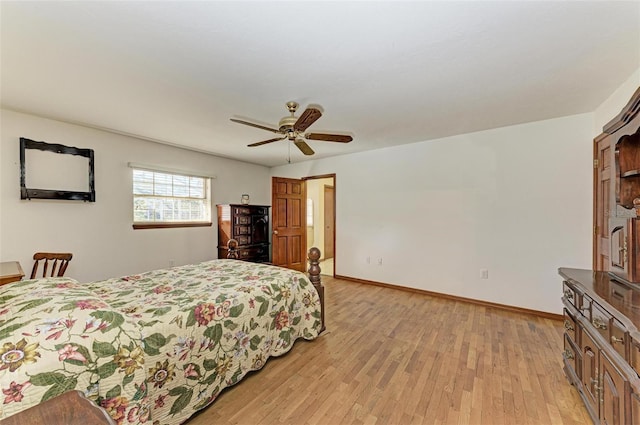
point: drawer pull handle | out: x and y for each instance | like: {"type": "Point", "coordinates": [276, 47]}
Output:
{"type": "Point", "coordinates": [598, 323]}
{"type": "Point", "coordinates": [567, 325]}
{"type": "Point", "coordinates": [568, 294]}
{"type": "Point", "coordinates": [567, 354]}
{"type": "Point", "coordinates": [616, 340]}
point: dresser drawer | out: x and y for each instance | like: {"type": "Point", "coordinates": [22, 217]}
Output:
{"type": "Point", "coordinates": [619, 339]}
{"type": "Point", "coordinates": [584, 306]}
{"type": "Point", "coordinates": [244, 240]}
{"type": "Point", "coordinates": [571, 356]}
{"type": "Point", "coordinates": [569, 294]}
{"type": "Point", "coordinates": [601, 320]}
{"type": "Point", "coordinates": [620, 294]}
{"type": "Point", "coordinates": [570, 325]}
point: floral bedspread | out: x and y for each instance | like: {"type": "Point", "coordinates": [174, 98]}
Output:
{"type": "Point", "coordinates": [151, 348]}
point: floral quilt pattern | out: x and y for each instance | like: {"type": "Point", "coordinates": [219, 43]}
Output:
{"type": "Point", "coordinates": [150, 348]}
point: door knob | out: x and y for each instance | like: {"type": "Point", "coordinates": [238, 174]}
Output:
{"type": "Point", "coordinates": [275, 232]}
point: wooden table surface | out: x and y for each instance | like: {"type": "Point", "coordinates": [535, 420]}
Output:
{"type": "Point", "coordinates": [10, 271]}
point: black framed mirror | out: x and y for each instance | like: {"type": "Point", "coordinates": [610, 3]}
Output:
{"type": "Point", "coordinates": [75, 195]}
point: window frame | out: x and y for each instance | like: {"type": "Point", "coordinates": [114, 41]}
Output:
{"type": "Point", "coordinates": [172, 224]}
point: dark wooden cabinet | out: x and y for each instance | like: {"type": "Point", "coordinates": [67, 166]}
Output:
{"type": "Point", "coordinates": [247, 224]}
{"type": "Point", "coordinates": [617, 194]}
{"type": "Point", "coordinates": [602, 344]}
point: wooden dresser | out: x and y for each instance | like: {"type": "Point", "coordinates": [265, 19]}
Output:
{"type": "Point", "coordinates": [249, 225]}
{"type": "Point", "coordinates": [602, 344]}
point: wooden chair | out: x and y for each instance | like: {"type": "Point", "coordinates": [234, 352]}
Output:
{"type": "Point", "coordinates": [59, 261]}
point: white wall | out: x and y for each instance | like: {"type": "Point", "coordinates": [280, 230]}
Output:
{"type": "Point", "coordinates": [513, 200]}
{"type": "Point", "coordinates": [100, 234]}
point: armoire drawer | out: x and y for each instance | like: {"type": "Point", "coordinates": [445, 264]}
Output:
{"type": "Point", "coordinates": [259, 253]}
{"type": "Point", "coordinates": [243, 219]}
{"type": "Point", "coordinates": [242, 230]}
{"type": "Point", "coordinates": [241, 210]}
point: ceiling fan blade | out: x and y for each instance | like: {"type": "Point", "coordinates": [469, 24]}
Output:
{"type": "Point", "coordinates": [304, 148]}
{"type": "Point", "coordinates": [340, 138]}
{"type": "Point", "coordinates": [255, 125]}
{"type": "Point", "coordinates": [264, 142]}
{"type": "Point", "coordinates": [308, 117]}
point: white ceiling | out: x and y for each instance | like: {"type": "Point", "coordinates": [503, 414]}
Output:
{"type": "Point", "coordinates": [388, 72]}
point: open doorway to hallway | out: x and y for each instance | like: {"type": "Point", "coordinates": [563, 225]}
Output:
{"type": "Point", "coordinates": [321, 202]}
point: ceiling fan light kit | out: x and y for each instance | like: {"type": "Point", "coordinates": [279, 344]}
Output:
{"type": "Point", "coordinates": [292, 128]}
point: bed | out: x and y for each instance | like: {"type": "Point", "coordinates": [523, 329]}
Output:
{"type": "Point", "coordinates": [155, 347]}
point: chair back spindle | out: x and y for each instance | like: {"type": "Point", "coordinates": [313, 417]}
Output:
{"type": "Point", "coordinates": [59, 263]}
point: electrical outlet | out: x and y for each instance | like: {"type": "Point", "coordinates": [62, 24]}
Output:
{"type": "Point", "coordinates": [484, 273]}
{"type": "Point", "coordinates": [172, 263]}
{"type": "Point", "coordinates": [380, 261]}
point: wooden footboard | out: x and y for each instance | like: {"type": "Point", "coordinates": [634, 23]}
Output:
{"type": "Point", "coordinates": [313, 256]}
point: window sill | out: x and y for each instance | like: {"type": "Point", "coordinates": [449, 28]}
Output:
{"type": "Point", "coordinates": [170, 225]}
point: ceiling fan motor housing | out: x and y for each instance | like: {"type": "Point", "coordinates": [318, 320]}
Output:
{"type": "Point", "coordinates": [286, 124]}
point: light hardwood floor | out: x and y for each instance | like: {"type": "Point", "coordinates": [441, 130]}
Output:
{"type": "Point", "coordinates": [395, 357]}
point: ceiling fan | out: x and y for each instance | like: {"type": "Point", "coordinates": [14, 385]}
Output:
{"type": "Point", "coordinates": [293, 128]}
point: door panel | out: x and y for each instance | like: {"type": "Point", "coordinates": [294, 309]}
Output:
{"type": "Point", "coordinates": [329, 220]}
{"type": "Point", "coordinates": [296, 250]}
{"type": "Point", "coordinates": [280, 212]}
{"type": "Point", "coordinates": [602, 202]}
{"type": "Point", "coordinates": [289, 223]}
{"type": "Point", "coordinates": [279, 250]}
{"type": "Point", "coordinates": [294, 220]}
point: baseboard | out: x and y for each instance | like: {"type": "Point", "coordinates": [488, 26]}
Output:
{"type": "Point", "coordinates": [511, 308]}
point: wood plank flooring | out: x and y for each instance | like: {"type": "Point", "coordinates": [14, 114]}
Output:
{"type": "Point", "coordinates": [396, 357]}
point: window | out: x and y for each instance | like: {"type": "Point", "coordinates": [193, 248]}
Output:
{"type": "Point", "coordinates": [162, 199]}
{"type": "Point", "coordinates": [309, 212]}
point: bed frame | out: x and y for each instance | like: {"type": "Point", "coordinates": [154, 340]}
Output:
{"type": "Point", "coordinates": [313, 256]}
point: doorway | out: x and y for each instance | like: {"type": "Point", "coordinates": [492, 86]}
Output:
{"type": "Point", "coordinates": [321, 202]}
